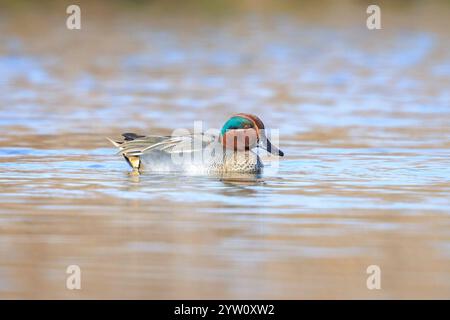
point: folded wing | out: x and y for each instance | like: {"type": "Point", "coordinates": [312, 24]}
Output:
{"type": "Point", "coordinates": [135, 145]}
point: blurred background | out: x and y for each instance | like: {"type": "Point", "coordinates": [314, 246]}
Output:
{"type": "Point", "coordinates": [364, 123]}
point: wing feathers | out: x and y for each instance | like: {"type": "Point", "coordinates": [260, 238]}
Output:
{"type": "Point", "coordinates": [136, 145]}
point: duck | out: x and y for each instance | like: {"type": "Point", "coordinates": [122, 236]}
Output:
{"type": "Point", "coordinates": [230, 150]}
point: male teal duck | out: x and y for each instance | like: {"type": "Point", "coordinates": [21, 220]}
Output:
{"type": "Point", "coordinates": [230, 150]}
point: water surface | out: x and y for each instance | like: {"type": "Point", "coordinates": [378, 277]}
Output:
{"type": "Point", "coordinates": [363, 118]}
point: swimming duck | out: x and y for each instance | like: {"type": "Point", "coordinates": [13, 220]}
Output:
{"type": "Point", "coordinates": [230, 150]}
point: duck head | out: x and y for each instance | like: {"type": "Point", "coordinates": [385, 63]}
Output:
{"type": "Point", "coordinates": [244, 132]}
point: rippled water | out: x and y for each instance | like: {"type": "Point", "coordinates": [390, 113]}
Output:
{"type": "Point", "coordinates": [364, 123]}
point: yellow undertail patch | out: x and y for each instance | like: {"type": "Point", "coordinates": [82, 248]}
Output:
{"type": "Point", "coordinates": [133, 161]}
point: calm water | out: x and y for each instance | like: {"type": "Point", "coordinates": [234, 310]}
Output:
{"type": "Point", "coordinates": [364, 122]}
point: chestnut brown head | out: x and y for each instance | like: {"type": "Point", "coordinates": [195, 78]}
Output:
{"type": "Point", "coordinates": [244, 132]}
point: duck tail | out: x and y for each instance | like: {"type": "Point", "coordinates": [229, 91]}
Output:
{"type": "Point", "coordinates": [115, 143]}
{"type": "Point", "coordinates": [133, 161]}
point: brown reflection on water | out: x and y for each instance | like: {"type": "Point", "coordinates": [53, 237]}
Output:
{"type": "Point", "coordinates": [363, 121]}
{"type": "Point", "coordinates": [174, 252]}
